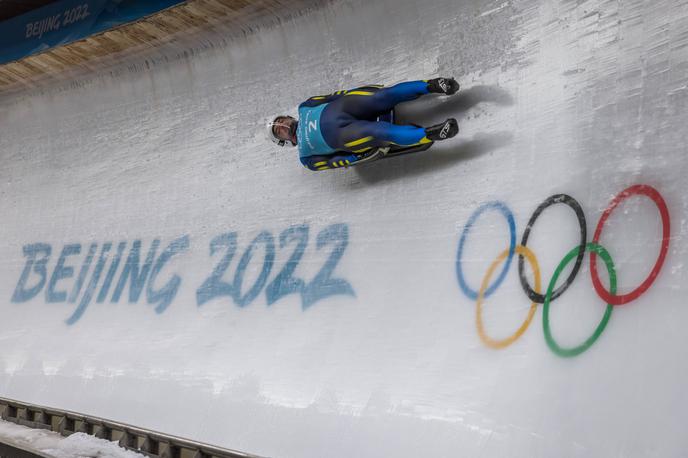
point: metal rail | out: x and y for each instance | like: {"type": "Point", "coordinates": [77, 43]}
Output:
{"type": "Point", "coordinates": [12, 450]}
{"type": "Point", "coordinates": [151, 443]}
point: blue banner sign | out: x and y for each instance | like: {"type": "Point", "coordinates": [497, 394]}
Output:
{"type": "Point", "coordinates": [66, 21]}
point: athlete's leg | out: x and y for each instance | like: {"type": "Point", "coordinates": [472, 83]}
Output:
{"type": "Point", "coordinates": [360, 136]}
{"type": "Point", "coordinates": [369, 102]}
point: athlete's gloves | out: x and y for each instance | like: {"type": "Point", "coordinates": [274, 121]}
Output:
{"type": "Point", "coordinates": [447, 86]}
{"type": "Point", "coordinates": [443, 131]}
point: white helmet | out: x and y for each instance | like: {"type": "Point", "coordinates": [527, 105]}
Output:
{"type": "Point", "coordinates": [284, 125]}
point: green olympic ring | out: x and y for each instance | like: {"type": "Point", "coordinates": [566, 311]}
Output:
{"type": "Point", "coordinates": [551, 343]}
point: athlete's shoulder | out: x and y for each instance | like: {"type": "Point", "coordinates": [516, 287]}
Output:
{"type": "Point", "coordinates": [309, 103]}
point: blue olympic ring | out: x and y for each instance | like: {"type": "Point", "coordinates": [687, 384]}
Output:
{"type": "Point", "coordinates": [502, 207]}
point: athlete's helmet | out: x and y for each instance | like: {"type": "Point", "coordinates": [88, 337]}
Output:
{"type": "Point", "coordinates": [282, 129]}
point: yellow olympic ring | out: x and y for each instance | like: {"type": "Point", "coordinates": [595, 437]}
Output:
{"type": "Point", "coordinates": [503, 343]}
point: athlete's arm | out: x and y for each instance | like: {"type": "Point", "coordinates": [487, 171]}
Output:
{"type": "Point", "coordinates": [330, 161]}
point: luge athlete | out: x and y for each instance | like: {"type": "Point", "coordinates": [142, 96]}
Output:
{"type": "Point", "coordinates": [336, 130]}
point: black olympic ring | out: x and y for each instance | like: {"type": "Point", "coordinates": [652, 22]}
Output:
{"type": "Point", "coordinates": [575, 206]}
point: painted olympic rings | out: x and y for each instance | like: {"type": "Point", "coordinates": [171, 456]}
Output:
{"type": "Point", "coordinates": [656, 197]}
{"type": "Point", "coordinates": [555, 199]}
{"type": "Point", "coordinates": [487, 340]}
{"type": "Point", "coordinates": [578, 252]}
{"type": "Point", "coordinates": [551, 343]}
{"type": "Point", "coordinates": [496, 205]}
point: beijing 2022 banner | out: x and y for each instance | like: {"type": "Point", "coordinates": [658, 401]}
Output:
{"type": "Point", "coordinates": [66, 21]}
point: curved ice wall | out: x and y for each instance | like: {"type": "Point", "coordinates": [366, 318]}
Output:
{"type": "Point", "coordinates": [164, 265]}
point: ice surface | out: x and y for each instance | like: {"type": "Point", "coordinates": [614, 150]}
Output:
{"type": "Point", "coordinates": [586, 98]}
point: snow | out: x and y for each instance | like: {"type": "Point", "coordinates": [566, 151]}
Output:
{"type": "Point", "coordinates": [78, 445]}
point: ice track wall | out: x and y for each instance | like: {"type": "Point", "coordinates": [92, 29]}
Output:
{"type": "Point", "coordinates": [162, 264]}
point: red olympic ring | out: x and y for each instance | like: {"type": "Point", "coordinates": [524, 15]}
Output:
{"type": "Point", "coordinates": [653, 194]}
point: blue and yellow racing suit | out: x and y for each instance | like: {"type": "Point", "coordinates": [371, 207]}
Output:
{"type": "Point", "coordinates": [336, 130]}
